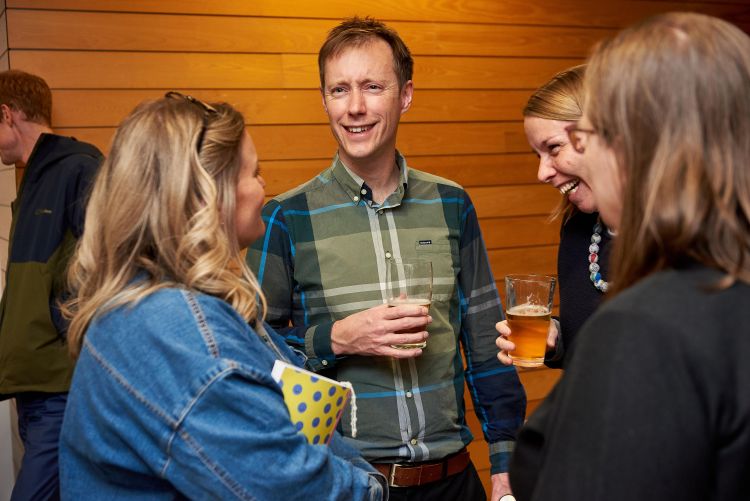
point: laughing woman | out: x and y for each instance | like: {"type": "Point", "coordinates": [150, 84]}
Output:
{"type": "Point", "coordinates": [585, 242]}
{"type": "Point", "coordinates": [654, 402]}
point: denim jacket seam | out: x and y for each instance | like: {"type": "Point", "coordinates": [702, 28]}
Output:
{"type": "Point", "coordinates": [120, 379]}
{"type": "Point", "coordinates": [124, 383]}
{"type": "Point", "coordinates": [222, 475]}
{"type": "Point", "coordinates": [202, 323]}
{"type": "Point", "coordinates": [219, 472]}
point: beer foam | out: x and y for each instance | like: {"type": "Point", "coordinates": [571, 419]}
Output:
{"type": "Point", "coordinates": [401, 301]}
{"type": "Point", "coordinates": [529, 310]}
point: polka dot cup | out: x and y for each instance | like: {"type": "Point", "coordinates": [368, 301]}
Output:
{"type": "Point", "coordinates": [315, 403]}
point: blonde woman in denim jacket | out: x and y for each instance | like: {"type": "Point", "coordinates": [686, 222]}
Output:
{"type": "Point", "coordinates": [172, 395]}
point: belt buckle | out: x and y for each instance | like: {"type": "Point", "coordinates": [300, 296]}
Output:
{"type": "Point", "coordinates": [392, 475]}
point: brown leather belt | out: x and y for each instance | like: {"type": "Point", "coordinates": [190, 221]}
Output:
{"type": "Point", "coordinates": [413, 474]}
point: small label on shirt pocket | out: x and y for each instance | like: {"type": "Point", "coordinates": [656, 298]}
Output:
{"type": "Point", "coordinates": [430, 246]}
{"type": "Point", "coordinates": [443, 270]}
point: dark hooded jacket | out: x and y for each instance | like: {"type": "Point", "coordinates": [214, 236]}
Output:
{"type": "Point", "coordinates": [47, 219]}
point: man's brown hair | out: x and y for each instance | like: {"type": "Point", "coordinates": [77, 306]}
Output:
{"type": "Point", "coordinates": [27, 93]}
{"type": "Point", "coordinates": [355, 32]}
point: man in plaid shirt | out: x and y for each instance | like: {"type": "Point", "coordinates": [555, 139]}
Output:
{"type": "Point", "coordinates": [322, 267]}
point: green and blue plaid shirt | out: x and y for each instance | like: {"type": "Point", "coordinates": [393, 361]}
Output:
{"type": "Point", "coordinates": [324, 257]}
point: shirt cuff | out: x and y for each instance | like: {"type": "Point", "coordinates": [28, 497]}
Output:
{"type": "Point", "coordinates": [318, 347]}
{"type": "Point", "coordinates": [500, 454]}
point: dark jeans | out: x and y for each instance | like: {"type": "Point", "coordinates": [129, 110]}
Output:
{"type": "Point", "coordinates": [464, 486]}
{"type": "Point", "coordinates": [40, 417]}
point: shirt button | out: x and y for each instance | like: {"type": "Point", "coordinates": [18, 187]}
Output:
{"type": "Point", "coordinates": [380, 211]}
{"type": "Point", "coordinates": [409, 394]}
{"type": "Point", "coordinates": [387, 255]}
{"type": "Point", "coordinates": [324, 362]}
{"type": "Point", "coordinates": [413, 441]}
{"type": "Point", "coordinates": [356, 199]}
{"type": "Point", "coordinates": [363, 191]}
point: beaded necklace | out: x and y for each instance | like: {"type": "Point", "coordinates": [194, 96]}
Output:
{"type": "Point", "coordinates": [595, 276]}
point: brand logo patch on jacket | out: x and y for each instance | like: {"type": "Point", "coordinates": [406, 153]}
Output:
{"type": "Point", "coordinates": [424, 242]}
{"type": "Point", "coordinates": [43, 212]}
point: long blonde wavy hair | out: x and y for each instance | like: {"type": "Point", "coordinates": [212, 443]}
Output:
{"type": "Point", "coordinates": [161, 214]}
{"type": "Point", "coordinates": [671, 97]}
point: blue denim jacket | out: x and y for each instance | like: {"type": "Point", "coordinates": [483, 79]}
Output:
{"type": "Point", "coordinates": [173, 398]}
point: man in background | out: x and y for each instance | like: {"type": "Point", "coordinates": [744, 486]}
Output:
{"type": "Point", "coordinates": [322, 267]}
{"type": "Point", "coordinates": [47, 219]}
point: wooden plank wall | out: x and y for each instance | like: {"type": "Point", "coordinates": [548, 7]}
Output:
{"type": "Point", "coordinates": [476, 61]}
{"type": "Point", "coordinates": [7, 174]}
{"type": "Point", "coordinates": [7, 195]}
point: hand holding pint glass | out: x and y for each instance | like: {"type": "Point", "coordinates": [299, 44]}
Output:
{"type": "Point", "coordinates": [409, 282]}
{"type": "Point", "coordinates": [528, 308]}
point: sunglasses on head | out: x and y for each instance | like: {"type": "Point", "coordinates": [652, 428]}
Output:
{"type": "Point", "coordinates": [207, 109]}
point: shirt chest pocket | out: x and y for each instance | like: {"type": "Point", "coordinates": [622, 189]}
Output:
{"type": "Point", "coordinates": [444, 267]}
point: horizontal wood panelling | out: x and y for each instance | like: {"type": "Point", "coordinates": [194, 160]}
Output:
{"type": "Point", "coordinates": [7, 186]}
{"type": "Point", "coordinates": [3, 32]}
{"type": "Point", "coordinates": [143, 70]}
{"type": "Point", "coordinates": [480, 170]}
{"type": "Point", "coordinates": [519, 231]}
{"type": "Point", "coordinates": [316, 141]}
{"type": "Point", "coordinates": [112, 31]}
{"type": "Point", "coordinates": [106, 108]}
{"type": "Point", "coordinates": [4, 226]}
{"type": "Point", "coordinates": [613, 13]}
{"type": "Point", "coordinates": [467, 170]}
{"type": "Point", "coordinates": [538, 260]}
{"type": "Point", "coordinates": [521, 200]}
{"type": "Point", "coordinates": [537, 382]}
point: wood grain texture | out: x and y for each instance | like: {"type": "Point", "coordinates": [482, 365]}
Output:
{"type": "Point", "coordinates": [540, 260]}
{"type": "Point", "coordinates": [3, 32]}
{"type": "Point", "coordinates": [159, 70]}
{"type": "Point", "coordinates": [612, 13]}
{"type": "Point", "coordinates": [34, 29]}
{"type": "Point", "coordinates": [519, 231]}
{"type": "Point", "coordinates": [107, 107]}
{"type": "Point", "coordinates": [315, 141]}
{"type": "Point", "coordinates": [515, 200]}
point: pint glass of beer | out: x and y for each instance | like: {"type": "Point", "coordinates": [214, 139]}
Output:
{"type": "Point", "coordinates": [409, 282]}
{"type": "Point", "coordinates": [528, 306]}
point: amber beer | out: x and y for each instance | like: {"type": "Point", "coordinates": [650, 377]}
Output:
{"type": "Point", "coordinates": [409, 281]}
{"type": "Point", "coordinates": [529, 302]}
{"type": "Point", "coordinates": [399, 301]}
{"type": "Point", "coordinates": [529, 325]}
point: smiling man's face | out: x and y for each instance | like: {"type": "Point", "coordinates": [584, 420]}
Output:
{"type": "Point", "coordinates": [364, 104]}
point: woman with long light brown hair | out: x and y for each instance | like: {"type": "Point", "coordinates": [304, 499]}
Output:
{"type": "Point", "coordinates": [172, 395]}
{"type": "Point", "coordinates": [654, 403]}
{"type": "Point", "coordinates": [585, 241]}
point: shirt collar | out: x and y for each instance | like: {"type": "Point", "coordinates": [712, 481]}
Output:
{"type": "Point", "coordinates": [357, 189]}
